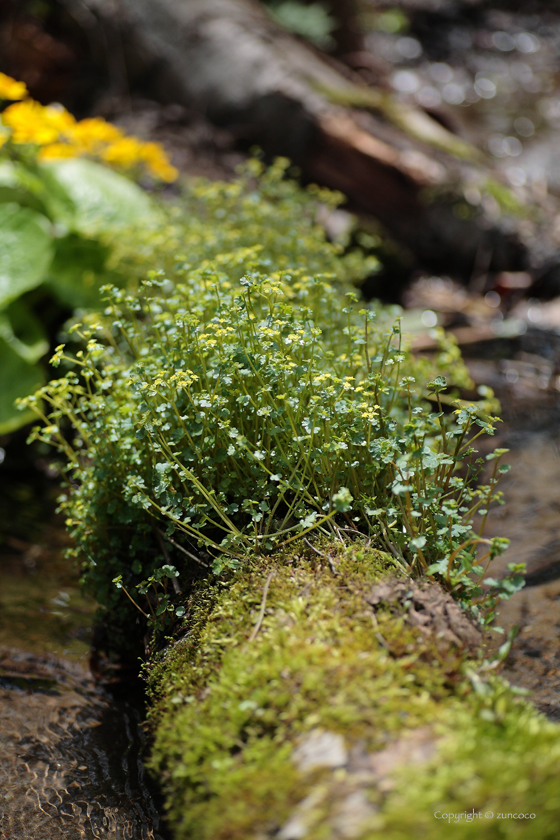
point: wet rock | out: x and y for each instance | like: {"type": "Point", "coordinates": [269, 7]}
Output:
{"type": "Point", "coordinates": [320, 749]}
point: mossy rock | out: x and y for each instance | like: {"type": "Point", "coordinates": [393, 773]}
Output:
{"type": "Point", "coordinates": [321, 697]}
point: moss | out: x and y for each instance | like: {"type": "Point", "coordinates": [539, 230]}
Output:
{"type": "Point", "coordinates": [227, 710]}
{"type": "Point", "coordinates": [498, 757]}
{"type": "Point", "coordinates": [428, 729]}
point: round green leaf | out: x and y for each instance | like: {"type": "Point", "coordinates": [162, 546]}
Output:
{"type": "Point", "coordinates": [103, 199]}
{"type": "Point", "coordinates": [19, 379]}
{"type": "Point", "coordinates": [78, 271]}
{"type": "Point", "coordinates": [26, 251]}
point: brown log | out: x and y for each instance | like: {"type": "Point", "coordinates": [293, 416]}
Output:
{"type": "Point", "coordinates": [227, 58]}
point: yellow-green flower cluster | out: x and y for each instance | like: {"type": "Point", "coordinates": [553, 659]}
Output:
{"type": "Point", "coordinates": [57, 134]}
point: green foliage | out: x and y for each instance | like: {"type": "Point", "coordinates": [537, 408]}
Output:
{"type": "Point", "coordinates": [261, 210]}
{"type": "Point", "coordinates": [233, 407]}
{"type": "Point", "coordinates": [230, 707]}
{"type": "Point", "coordinates": [101, 199]}
{"type": "Point", "coordinates": [25, 250]}
{"type": "Point", "coordinates": [18, 377]}
{"type": "Point", "coordinates": [54, 219]}
{"type": "Point", "coordinates": [311, 21]}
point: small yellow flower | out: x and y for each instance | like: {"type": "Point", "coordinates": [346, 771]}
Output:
{"type": "Point", "coordinates": [94, 133]}
{"type": "Point", "coordinates": [10, 89]}
{"type": "Point", "coordinates": [127, 152]}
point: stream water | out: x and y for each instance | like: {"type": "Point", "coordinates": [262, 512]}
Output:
{"type": "Point", "coordinates": [70, 749]}
{"type": "Point", "coordinates": [530, 515]}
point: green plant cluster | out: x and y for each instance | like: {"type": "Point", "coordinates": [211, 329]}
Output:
{"type": "Point", "coordinates": [261, 209]}
{"type": "Point", "coordinates": [55, 220]}
{"type": "Point", "coordinates": [232, 406]}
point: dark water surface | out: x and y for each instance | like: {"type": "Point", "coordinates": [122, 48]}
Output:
{"type": "Point", "coordinates": [70, 756]}
{"type": "Point", "coordinates": [70, 750]}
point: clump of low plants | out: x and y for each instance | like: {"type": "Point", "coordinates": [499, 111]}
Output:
{"type": "Point", "coordinates": [217, 420]}
{"type": "Point", "coordinates": [261, 210]}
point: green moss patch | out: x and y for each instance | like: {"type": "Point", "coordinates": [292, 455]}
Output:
{"type": "Point", "coordinates": [258, 680]}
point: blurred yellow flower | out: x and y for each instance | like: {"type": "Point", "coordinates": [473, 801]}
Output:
{"type": "Point", "coordinates": [55, 151]}
{"type": "Point", "coordinates": [125, 152]}
{"type": "Point", "coordinates": [10, 89]}
{"type": "Point", "coordinates": [59, 135]}
{"type": "Point", "coordinates": [34, 123]}
{"type": "Point", "coordinates": [94, 133]}
{"type": "Point", "coordinates": [157, 162]}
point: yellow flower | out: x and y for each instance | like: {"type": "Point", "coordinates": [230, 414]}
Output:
{"type": "Point", "coordinates": [33, 123]}
{"type": "Point", "coordinates": [10, 89]}
{"type": "Point", "coordinates": [53, 128]}
{"type": "Point", "coordinates": [125, 152]}
{"type": "Point", "coordinates": [94, 133]}
{"type": "Point", "coordinates": [55, 151]}
{"type": "Point", "coordinates": [157, 162]}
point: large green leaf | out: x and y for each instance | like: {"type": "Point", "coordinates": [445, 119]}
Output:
{"type": "Point", "coordinates": [19, 379]}
{"type": "Point", "coordinates": [79, 270]}
{"type": "Point", "coordinates": [26, 251]}
{"type": "Point", "coordinates": [102, 199]}
{"type": "Point", "coordinates": [35, 186]}
{"type": "Point", "coordinates": [14, 189]}
{"type": "Point", "coordinates": [22, 330]}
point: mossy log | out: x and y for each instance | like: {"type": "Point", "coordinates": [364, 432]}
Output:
{"type": "Point", "coordinates": [391, 160]}
{"type": "Point", "coordinates": [322, 696]}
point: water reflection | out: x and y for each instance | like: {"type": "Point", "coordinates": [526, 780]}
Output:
{"type": "Point", "coordinates": [70, 757]}
{"type": "Point", "coordinates": [491, 74]}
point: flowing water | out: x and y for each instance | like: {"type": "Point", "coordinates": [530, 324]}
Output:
{"type": "Point", "coordinates": [70, 762]}
{"type": "Point", "coordinates": [70, 750]}
{"type": "Point", "coordinates": [530, 515]}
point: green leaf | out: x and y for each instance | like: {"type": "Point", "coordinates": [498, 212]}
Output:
{"type": "Point", "coordinates": [34, 186]}
{"type": "Point", "coordinates": [14, 190]}
{"type": "Point", "coordinates": [342, 500]}
{"type": "Point", "coordinates": [78, 271]}
{"type": "Point", "coordinates": [23, 331]}
{"type": "Point", "coordinates": [438, 384]}
{"type": "Point", "coordinates": [19, 379]}
{"type": "Point", "coordinates": [103, 199]}
{"type": "Point", "coordinates": [26, 251]}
